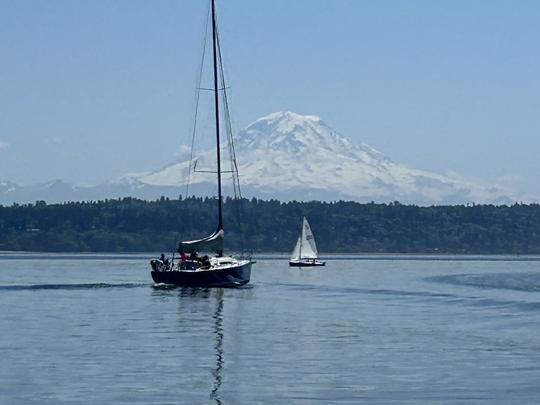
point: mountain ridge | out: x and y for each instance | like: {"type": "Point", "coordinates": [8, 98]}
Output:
{"type": "Point", "coordinates": [288, 156]}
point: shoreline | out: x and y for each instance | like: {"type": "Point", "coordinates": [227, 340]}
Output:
{"type": "Point", "coordinates": [282, 256]}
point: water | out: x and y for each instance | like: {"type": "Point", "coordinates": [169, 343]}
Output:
{"type": "Point", "coordinates": [380, 330]}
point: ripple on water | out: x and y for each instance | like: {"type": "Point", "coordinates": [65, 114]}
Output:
{"type": "Point", "coordinates": [529, 282]}
{"type": "Point", "coordinates": [80, 286]}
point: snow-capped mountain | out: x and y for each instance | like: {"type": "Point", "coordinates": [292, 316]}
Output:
{"type": "Point", "coordinates": [291, 156]}
{"type": "Point", "coordinates": [286, 156]}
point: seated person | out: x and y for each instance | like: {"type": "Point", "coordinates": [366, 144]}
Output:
{"type": "Point", "coordinates": [183, 256]}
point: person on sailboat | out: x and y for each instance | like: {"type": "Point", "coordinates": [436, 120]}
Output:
{"type": "Point", "coordinates": [164, 260]}
{"type": "Point", "coordinates": [205, 261]}
{"type": "Point", "coordinates": [183, 255]}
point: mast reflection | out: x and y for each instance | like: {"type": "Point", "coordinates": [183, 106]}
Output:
{"type": "Point", "coordinates": [218, 346]}
{"type": "Point", "coordinates": [190, 295]}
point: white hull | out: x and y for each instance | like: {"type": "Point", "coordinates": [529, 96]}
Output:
{"type": "Point", "coordinates": [306, 262]}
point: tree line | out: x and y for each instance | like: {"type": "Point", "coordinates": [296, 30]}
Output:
{"type": "Point", "coordinates": [133, 225]}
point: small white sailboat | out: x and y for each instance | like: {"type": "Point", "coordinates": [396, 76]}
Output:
{"type": "Point", "coordinates": [305, 252]}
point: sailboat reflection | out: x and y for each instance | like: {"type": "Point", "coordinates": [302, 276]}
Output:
{"type": "Point", "coordinates": [190, 298]}
{"type": "Point", "coordinates": [218, 332]}
{"type": "Point", "coordinates": [218, 346]}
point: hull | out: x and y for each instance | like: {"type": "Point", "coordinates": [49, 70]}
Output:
{"type": "Point", "coordinates": [230, 276]}
{"type": "Point", "coordinates": [306, 263]}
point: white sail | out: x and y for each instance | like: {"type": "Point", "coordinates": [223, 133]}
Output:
{"type": "Point", "coordinates": [308, 249]}
{"type": "Point", "coordinates": [213, 243]}
{"type": "Point", "coordinates": [296, 251]}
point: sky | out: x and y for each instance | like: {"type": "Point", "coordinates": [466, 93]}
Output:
{"type": "Point", "coordinates": [91, 90]}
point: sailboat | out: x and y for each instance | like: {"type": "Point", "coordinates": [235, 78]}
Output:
{"type": "Point", "coordinates": [214, 269]}
{"type": "Point", "coordinates": [305, 252]}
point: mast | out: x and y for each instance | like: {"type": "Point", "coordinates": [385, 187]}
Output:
{"type": "Point", "coordinates": [216, 103]}
{"type": "Point", "coordinates": [301, 242]}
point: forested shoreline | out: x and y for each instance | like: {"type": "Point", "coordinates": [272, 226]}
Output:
{"type": "Point", "coordinates": [132, 225]}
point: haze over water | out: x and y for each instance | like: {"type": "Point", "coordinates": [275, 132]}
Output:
{"type": "Point", "coordinates": [379, 330]}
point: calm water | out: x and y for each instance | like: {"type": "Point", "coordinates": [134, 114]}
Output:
{"type": "Point", "coordinates": [380, 330]}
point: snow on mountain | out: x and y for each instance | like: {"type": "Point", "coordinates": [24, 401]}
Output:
{"type": "Point", "coordinates": [287, 156]}
{"type": "Point", "coordinates": [291, 156]}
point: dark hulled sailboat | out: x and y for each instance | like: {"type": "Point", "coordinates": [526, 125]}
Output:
{"type": "Point", "coordinates": [214, 269]}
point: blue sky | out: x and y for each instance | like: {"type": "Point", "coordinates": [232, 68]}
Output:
{"type": "Point", "coordinates": [90, 90]}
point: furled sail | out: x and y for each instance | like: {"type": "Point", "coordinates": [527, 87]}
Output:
{"type": "Point", "coordinates": [295, 255]}
{"type": "Point", "coordinates": [212, 243]}
{"type": "Point", "coordinates": [308, 248]}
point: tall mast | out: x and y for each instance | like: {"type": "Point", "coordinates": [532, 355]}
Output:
{"type": "Point", "coordinates": [301, 242]}
{"type": "Point", "coordinates": [216, 103]}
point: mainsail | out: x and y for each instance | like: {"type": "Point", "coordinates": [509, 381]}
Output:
{"type": "Point", "coordinates": [212, 243]}
{"type": "Point", "coordinates": [308, 248]}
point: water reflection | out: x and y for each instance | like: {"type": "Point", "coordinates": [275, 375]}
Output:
{"type": "Point", "coordinates": [218, 346]}
{"type": "Point", "coordinates": [190, 313]}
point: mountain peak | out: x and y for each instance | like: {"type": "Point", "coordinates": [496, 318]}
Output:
{"type": "Point", "coordinates": [289, 116]}
{"type": "Point", "coordinates": [284, 122]}
{"type": "Point", "coordinates": [300, 135]}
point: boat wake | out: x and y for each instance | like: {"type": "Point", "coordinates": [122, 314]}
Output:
{"type": "Point", "coordinates": [82, 286]}
{"type": "Point", "coordinates": [529, 282]}
{"type": "Point", "coordinates": [340, 290]}
{"type": "Point", "coordinates": [427, 296]}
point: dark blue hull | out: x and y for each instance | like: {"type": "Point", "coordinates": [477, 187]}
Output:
{"type": "Point", "coordinates": [226, 277]}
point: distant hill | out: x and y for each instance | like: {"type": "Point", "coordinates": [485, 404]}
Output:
{"type": "Point", "coordinates": [130, 225]}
